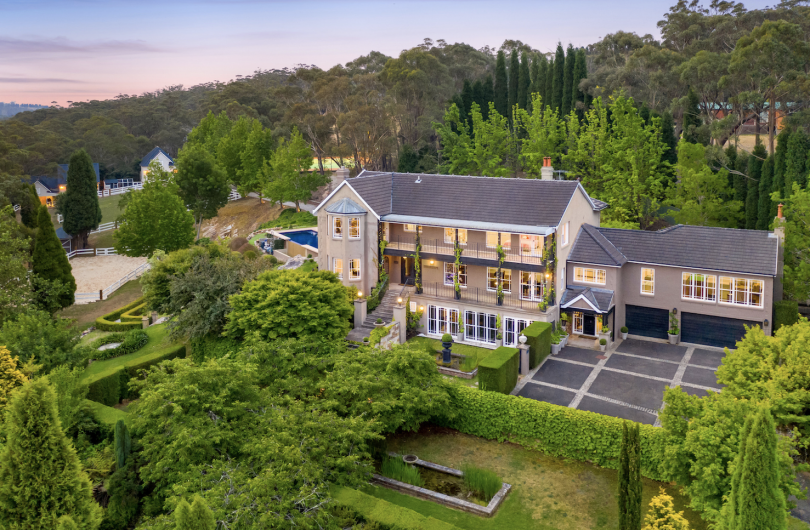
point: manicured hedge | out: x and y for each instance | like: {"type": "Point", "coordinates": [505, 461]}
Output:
{"type": "Point", "coordinates": [131, 341]}
{"type": "Point", "coordinates": [557, 431]}
{"type": "Point", "coordinates": [106, 415]}
{"type": "Point", "coordinates": [108, 321]}
{"type": "Point", "coordinates": [386, 514]}
{"type": "Point", "coordinates": [785, 313]}
{"type": "Point", "coordinates": [135, 314]}
{"type": "Point", "coordinates": [498, 371]}
{"type": "Point", "coordinates": [538, 337]}
{"type": "Point", "coordinates": [110, 387]}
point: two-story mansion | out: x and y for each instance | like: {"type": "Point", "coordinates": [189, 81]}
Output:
{"type": "Point", "coordinates": [485, 251]}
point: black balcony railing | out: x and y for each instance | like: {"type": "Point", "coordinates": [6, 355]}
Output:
{"type": "Point", "coordinates": [470, 250]}
{"type": "Point", "coordinates": [481, 296]}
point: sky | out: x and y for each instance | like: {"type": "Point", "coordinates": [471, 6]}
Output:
{"type": "Point", "coordinates": [77, 50]}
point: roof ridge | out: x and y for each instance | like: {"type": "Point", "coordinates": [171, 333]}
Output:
{"type": "Point", "coordinates": [378, 173]}
{"type": "Point", "coordinates": [592, 231]}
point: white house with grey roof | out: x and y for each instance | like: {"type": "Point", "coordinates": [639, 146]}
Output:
{"type": "Point", "coordinates": [162, 157]}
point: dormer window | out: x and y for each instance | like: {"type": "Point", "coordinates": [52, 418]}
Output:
{"type": "Point", "coordinates": [337, 228]}
{"type": "Point", "coordinates": [354, 228]}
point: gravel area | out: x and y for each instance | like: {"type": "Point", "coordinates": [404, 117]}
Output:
{"type": "Point", "coordinates": [99, 272]}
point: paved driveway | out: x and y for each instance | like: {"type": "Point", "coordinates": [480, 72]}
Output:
{"type": "Point", "coordinates": [627, 382]}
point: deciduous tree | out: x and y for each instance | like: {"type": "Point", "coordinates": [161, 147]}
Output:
{"type": "Point", "coordinates": [34, 336]}
{"type": "Point", "coordinates": [79, 204]}
{"type": "Point", "coordinates": [797, 243]}
{"type": "Point", "coordinates": [286, 174]}
{"type": "Point", "coordinates": [15, 291]}
{"type": "Point", "coordinates": [203, 185]}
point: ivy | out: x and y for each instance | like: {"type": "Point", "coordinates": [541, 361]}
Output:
{"type": "Point", "coordinates": [417, 262]}
{"type": "Point", "coordinates": [501, 258]}
{"type": "Point", "coordinates": [381, 262]}
{"type": "Point", "coordinates": [412, 317]}
{"type": "Point", "coordinates": [457, 252]}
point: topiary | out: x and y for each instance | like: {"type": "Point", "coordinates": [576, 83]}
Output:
{"type": "Point", "coordinates": [624, 329]}
{"type": "Point", "coordinates": [602, 342]}
{"type": "Point", "coordinates": [447, 338]}
{"type": "Point", "coordinates": [379, 321]}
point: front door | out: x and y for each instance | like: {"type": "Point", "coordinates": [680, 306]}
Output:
{"type": "Point", "coordinates": [589, 325]}
{"type": "Point", "coordinates": [407, 271]}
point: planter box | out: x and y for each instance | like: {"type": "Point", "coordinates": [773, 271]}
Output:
{"type": "Point", "coordinates": [673, 339]}
{"type": "Point", "coordinates": [555, 348]}
{"type": "Point", "coordinates": [603, 347]}
{"type": "Point", "coordinates": [624, 336]}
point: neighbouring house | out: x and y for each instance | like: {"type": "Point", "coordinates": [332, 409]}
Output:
{"type": "Point", "coordinates": [65, 238]}
{"type": "Point", "coordinates": [554, 259]}
{"type": "Point", "coordinates": [49, 187]}
{"type": "Point", "coordinates": [166, 162]}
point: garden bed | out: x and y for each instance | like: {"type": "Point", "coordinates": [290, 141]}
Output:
{"type": "Point", "coordinates": [465, 357]}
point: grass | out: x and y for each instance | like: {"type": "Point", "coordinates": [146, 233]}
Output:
{"type": "Point", "coordinates": [289, 218]}
{"type": "Point", "coordinates": [86, 314]}
{"type": "Point", "coordinates": [397, 469]}
{"type": "Point", "coordinates": [482, 481]}
{"type": "Point", "coordinates": [547, 493]}
{"type": "Point", "coordinates": [309, 266]}
{"type": "Point", "coordinates": [474, 355]}
{"type": "Point", "coordinates": [158, 341]}
{"type": "Point", "coordinates": [102, 239]}
{"type": "Point", "coordinates": [104, 414]}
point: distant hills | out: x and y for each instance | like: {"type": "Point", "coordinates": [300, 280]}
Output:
{"type": "Point", "coordinates": [8, 110]}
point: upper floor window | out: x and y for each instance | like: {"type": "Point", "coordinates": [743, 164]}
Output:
{"type": "Point", "coordinates": [354, 269]}
{"type": "Point", "coordinates": [647, 281]}
{"type": "Point", "coordinates": [564, 234]}
{"type": "Point", "coordinates": [450, 236]}
{"type": "Point", "coordinates": [409, 228]}
{"type": "Point", "coordinates": [492, 279]}
{"type": "Point", "coordinates": [492, 240]}
{"type": "Point", "coordinates": [531, 245]}
{"type": "Point", "coordinates": [699, 287]}
{"type": "Point", "coordinates": [741, 291]}
{"type": "Point", "coordinates": [450, 272]}
{"type": "Point", "coordinates": [594, 276]}
{"type": "Point", "coordinates": [354, 228]}
{"type": "Point", "coordinates": [337, 267]}
{"type": "Point", "coordinates": [531, 286]}
{"type": "Point", "coordinates": [337, 227]}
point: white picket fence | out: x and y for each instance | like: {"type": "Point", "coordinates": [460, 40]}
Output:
{"type": "Point", "coordinates": [86, 298]}
{"type": "Point", "coordinates": [234, 196]}
{"type": "Point", "coordinates": [112, 225]}
{"type": "Point", "coordinates": [59, 218]}
{"type": "Point", "coordinates": [107, 192]}
{"type": "Point", "coordinates": [110, 251]}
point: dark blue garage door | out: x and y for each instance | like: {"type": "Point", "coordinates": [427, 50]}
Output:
{"type": "Point", "coordinates": [712, 330]}
{"type": "Point", "coordinates": [646, 321]}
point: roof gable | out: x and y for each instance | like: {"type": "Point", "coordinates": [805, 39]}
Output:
{"type": "Point", "coordinates": [154, 153]}
{"type": "Point", "coordinates": [345, 206]}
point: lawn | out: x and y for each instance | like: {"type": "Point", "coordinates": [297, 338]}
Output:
{"type": "Point", "coordinates": [86, 314]}
{"type": "Point", "coordinates": [158, 341]}
{"type": "Point", "coordinates": [109, 209]}
{"type": "Point", "coordinates": [547, 493]}
{"type": "Point", "coordinates": [475, 354]}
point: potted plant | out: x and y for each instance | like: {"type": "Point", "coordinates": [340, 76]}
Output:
{"type": "Point", "coordinates": [555, 343]}
{"type": "Point", "coordinates": [603, 344]}
{"type": "Point", "coordinates": [499, 339]}
{"type": "Point", "coordinates": [498, 336]}
{"type": "Point", "coordinates": [460, 335]}
{"type": "Point", "coordinates": [605, 333]}
{"type": "Point", "coordinates": [673, 331]}
{"type": "Point", "coordinates": [379, 323]}
{"type": "Point", "coordinates": [564, 326]}
{"type": "Point", "coordinates": [447, 343]}
{"type": "Point", "coordinates": [624, 331]}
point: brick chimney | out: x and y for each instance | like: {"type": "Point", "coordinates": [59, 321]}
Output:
{"type": "Point", "coordinates": [547, 172]}
{"type": "Point", "coordinates": [779, 225]}
{"type": "Point", "coordinates": [338, 177]}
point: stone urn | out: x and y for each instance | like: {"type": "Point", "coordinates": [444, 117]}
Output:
{"type": "Point", "coordinates": [447, 343]}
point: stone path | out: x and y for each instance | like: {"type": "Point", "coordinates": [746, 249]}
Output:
{"type": "Point", "coordinates": [384, 311]}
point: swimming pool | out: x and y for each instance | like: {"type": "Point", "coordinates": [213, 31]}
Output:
{"type": "Point", "coordinates": [303, 237]}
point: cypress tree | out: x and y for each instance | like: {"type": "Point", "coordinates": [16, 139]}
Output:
{"type": "Point", "coordinates": [760, 502]}
{"type": "Point", "coordinates": [514, 77]}
{"type": "Point", "coordinates": [501, 86]}
{"type": "Point", "coordinates": [691, 117]}
{"type": "Point", "coordinates": [29, 209]}
{"type": "Point", "coordinates": [123, 444]}
{"type": "Point", "coordinates": [524, 83]}
{"type": "Point", "coordinates": [731, 156]}
{"type": "Point", "coordinates": [765, 188]}
{"type": "Point", "coordinates": [741, 183]}
{"type": "Point", "coordinates": [535, 75]}
{"type": "Point", "coordinates": [630, 478]}
{"type": "Point", "coordinates": [668, 138]}
{"type": "Point", "coordinates": [780, 157]}
{"type": "Point", "coordinates": [731, 508]}
{"type": "Point", "coordinates": [559, 79]}
{"type": "Point", "coordinates": [579, 98]}
{"type": "Point", "coordinates": [754, 177]}
{"type": "Point", "coordinates": [467, 96]}
{"type": "Point", "coordinates": [41, 478]}
{"type": "Point", "coordinates": [79, 204]}
{"type": "Point", "coordinates": [796, 161]}
{"type": "Point", "coordinates": [50, 261]}
{"type": "Point", "coordinates": [542, 74]}
{"type": "Point", "coordinates": [11, 376]}
{"type": "Point", "coordinates": [488, 95]}
{"type": "Point", "coordinates": [568, 81]}
{"type": "Point", "coordinates": [548, 100]}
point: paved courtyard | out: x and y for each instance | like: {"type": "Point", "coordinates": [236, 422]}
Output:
{"type": "Point", "coordinates": [627, 382]}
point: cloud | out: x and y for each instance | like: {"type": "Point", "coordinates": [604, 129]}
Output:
{"type": "Point", "coordinates": [37, 80]}
{"type": "Point", "coordinates": [62, 45]}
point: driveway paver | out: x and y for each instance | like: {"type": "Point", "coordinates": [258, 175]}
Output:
{"type": "Point", "coordinates": [654, 350]}
{"type": "Point", "coordinates": [561, 373]}
{"type": "Point", "coordinates": [632, 389]}
{"type": "Point", "coordinates": [557, 396]}
{"type": "Point", "coordinates": [708, 358]}
{"type": "Point", "coordinates": [642, 366]}
{"type": "Point", "coordinates": [619, 411]}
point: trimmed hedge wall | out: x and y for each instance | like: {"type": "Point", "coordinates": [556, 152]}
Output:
{"type": "Point", "coordinates": [785, 313]}
{"type": "Point", "coordinates": [538, 337]}
{"type": "Point", "coordinates": [131, 341]}
{"type": "Point", "coordinates": [386, 514]}
{"type": "Point", "coordinates": [110, 387]}
{"type": "Point", "coordinates": [108, 321]}
{"type": "Point", "coordinates": [557, 431]}
{"type": "Point", "coordinates": [135, 314]}
{"type": "Point", "coordinates": [498, 372]}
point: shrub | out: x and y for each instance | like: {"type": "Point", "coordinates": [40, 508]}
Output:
{"type": "Point", "coordinates": [498, 372]}
{"type": "Point", "coordinates": [387, 515]}
{"type": "Point", "coordinates": [108, 321]}
{"type": "Point", "coordinates": [483, 482]}
{"type": "Point", "coordinates": [237, 243]}
{"type": "Point", "coordinates": [397, 469]}
{"type": "Point", "coordinates": [447, 338]}
{"type": "Point", "coordinates": [377, 334]}
{"type": "Point", "coordinates": [379, 321]}
{"type": "Point", "coordinates": [785, 313]}
{"type": "Point", "coordinates": [131, 342]}
{"type": "Point", "coordinates": [377, 293]}
{"type": "Point", "coordinates": [602, 342]}
{"type": "Point", "coordinates": [624, 329]}
{"type": "Point", "coordinates": [560, 432]}
{"type": "Point", "coordinates": [135, 314]}
{"type": "Point", "coordinates": [538, 337]}
{"type": "Point", "coordinates": [212, 347]}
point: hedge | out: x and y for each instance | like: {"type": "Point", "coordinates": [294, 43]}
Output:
{"type": "Point", "coordinates": [110, 387]}
{"type": "Point", "coordinates": [558, 431]}
{"type": "Point", "coordinates": [108, 321]}
{"type": "Point", "coordinates": [106, 415]}
{"type": "Point", "coordinates": [131, 341]}
{"type": "Point", "coordinates": [538, 337]}
{"type": "Point", "coordinates": [135, 314]}
{"type": "Point", "coordinates": [785, 313]}
{"type": "Point", "coordinates": [498, 371]}
{"type": "Point", "coordinates": [386, 514]}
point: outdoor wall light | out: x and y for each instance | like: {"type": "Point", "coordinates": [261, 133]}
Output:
{"type": "Point", "coordinates": [421, 308]}
{"type": "Point", "coordinates": [399, 300]}
{"type": "Point", "coordinates": [766, 322]}
{"type": "Point", "coordinates": [359, 294]}
{"type": "Point", "coordinates": [431, 262]}
{"type": "Point", "coordinates": [675, 311]}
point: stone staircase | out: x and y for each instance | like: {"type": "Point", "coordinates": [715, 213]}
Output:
{"type": "Point", "coordinates": [384, 311]}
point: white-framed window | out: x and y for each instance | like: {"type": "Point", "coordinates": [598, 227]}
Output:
{"type": "Point", "coordinates": [699, 287]}
{"type": "Point", "coordinates": [450, 236]}
{"type": "Point", "coordinates": [337, 267]}
{"type": "Point", "coordinates": [409, 228]}
{"type": "Point", "coordinates": [450, 272]}
{"type": "Point", "coordinates": [531, 286]}
{"type": "Point", "coordinates": [741, 291]}
{"type": "Point", "coordinates": [511, 330]}
{"type": "Point", "coordinates": [354, 269]}
{"type": "Point", "coordinates": [594, 276]}
{"type": "Point", "coordinates": [413, 307]}
{"type": "Point", "coordinates": [354, 228]}
{"type": "Point", "coordinates": [578, 318]}
{"type": "Point", "coordinates": [337, 228]}
{"type": "Point", "coordinates": [647, 281]}
{"type": "Point", "coordinates": [492, 240]}
{"type": "Point", "coordinates": [492, 279]}
{"type": "Point", "coordinates": [531, 245]}
{"type": "Point", "coordinates": [564, 234]}
{"type": "Point", "coordinates": [480, 326]}
{"type": "Point", "coordinates": [442, 320]}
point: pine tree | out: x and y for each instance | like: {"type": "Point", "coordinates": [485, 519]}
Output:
{"type": "Point", "coordinates": [568, 81]}
{"type": "Point", "coordinates": [41, 478]}
{"type": "Point", "coordinates": [49, 260]}
{"type": "Point", "coordinates": [501, 86]}
{"type": "Point", "coordinates": [662, 514]}
{"type": "Point", "coordinates": [467, 96]}
{"type": "Point", "coordinates": [796, 161]}
{"type": "Point", "coordinates": [559, 79]}
{"type": "Point", "coordinates": [630, 478]}
{"type": "Point", "coordinates": [761, 503]}
{"type": "Point", "coordinates": [579, 100]}
{"type": "Point", "coordinates": [754, 176]}
{"type": "Point", "coordinates": [11, 376]}
{"type": "Point", "coordinates": [79, 204]}
{"type": "Point", "coordinates": [765, 189]}
{"type": "Point", "coordinates": [524, 83]}
{"type": "Point", "coordinates": [514, 77]}
{"type": "Point", "coordinates": [488, 95]}
{"type": "Point", "coordinates": [198, 516]}
{"type": "Point", "coordinates": [29, 212]}
{"type": "Point", "coordinates": [668, 139]}
{"type": "Point", "coordinates": [123, 444]}
{"type": "Point", "coordinates": [691, 118]}
{"type": "Point", "coordinates": [779, 160]}
{"type": "Point", "coordinates": [548, 100]}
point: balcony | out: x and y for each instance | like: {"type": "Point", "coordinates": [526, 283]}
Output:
{"type": "Point", "coordinates": [476, 295]}
{"type": "Point", "coordinates": [470, 250]}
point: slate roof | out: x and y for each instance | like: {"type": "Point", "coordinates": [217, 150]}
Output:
{"type": "Point", "coordinates": [152, 154]}
{"type": "Point", "coordinates": [345, 206]}
{"type": "Point", "coordinates": [602, 299]}
{"type": "Point", "coordinates": [695, 247]}
{"type": "Point", "coordinates": [478, 199]}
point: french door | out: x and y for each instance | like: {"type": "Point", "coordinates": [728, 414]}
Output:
{"type": "Point", "coordinates": [512, 328]}
{"type": "Point", "coordinates": [480, 326]}
{"type": "Point", "coordinates": [442, 320]}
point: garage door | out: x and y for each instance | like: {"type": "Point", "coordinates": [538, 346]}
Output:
{"type": "Point", "coordinates": [647, 321]}
{"type": "Point", "coordinates": [713, 331]}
